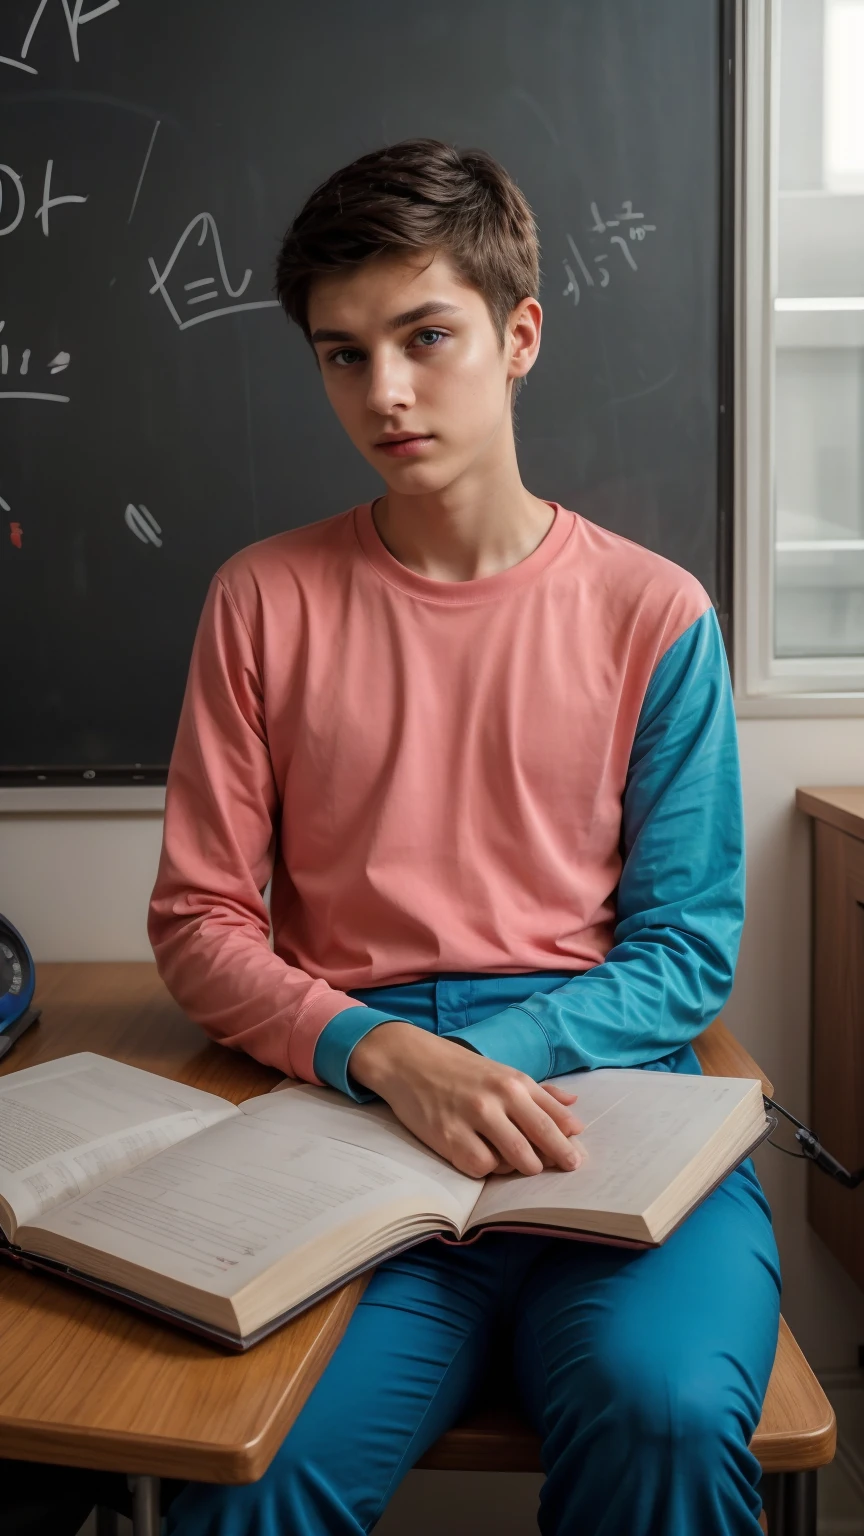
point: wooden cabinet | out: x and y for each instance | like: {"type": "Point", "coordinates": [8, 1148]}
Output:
{"type": "Point", "coordinates": [837, 1044]}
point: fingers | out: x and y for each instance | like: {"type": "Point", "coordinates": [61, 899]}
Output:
{"type": "Point", "coordinates": [539, 1119]}
{"type": "Point", "coordinates": [522, 1127]}
{"type": "Point", "coordinates": [548, 1166]}
{"type": "Point", "coordinates": [488, 1119]}
{"type": "Point", "coordinates": [526, 1137]}
{"type": "Point", "coordinates": [554, 1101]}
{"type": "Point", "coordinates": [562, 1094]}
{"type": "Point", "coordinates": [510, 1144]}
{"type": "Point", "coordinates": [476, 1155]}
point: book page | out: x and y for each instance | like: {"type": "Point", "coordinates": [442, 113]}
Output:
{"type": "Point", "coordinates": [641, 1128]}
{"type": "Point", "coordinates": [216, 1212]}
{"type": "Point", "coordinates": [327, 1112]}
{"type": "Point", "coordinates": [67, 1125]}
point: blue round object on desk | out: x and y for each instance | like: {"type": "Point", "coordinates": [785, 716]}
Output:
{"type": "Point", "coordinates": [17, 974]}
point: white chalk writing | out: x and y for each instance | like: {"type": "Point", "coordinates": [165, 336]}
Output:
{"type": "Point", "coordinates": [48, 202]}
{"type": "Point", "coordinates": [637, 229]}
{"type": "Point", "coordinates": [207, 227]}
{"type": "Point", "coordinates": [76, 17]}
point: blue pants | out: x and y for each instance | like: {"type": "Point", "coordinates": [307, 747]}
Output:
{"type": "Point", "coordinates": [643, 1372]}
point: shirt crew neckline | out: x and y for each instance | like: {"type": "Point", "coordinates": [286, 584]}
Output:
{"type": "Point", "coordinates": [459, 593]}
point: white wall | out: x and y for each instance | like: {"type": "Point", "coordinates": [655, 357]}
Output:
{"type": "Point", "coordinates": [77, 887]}
{"type": "Point", "coordinates": [770, 1007]}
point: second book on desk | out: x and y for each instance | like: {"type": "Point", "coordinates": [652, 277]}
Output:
{"type": "Point", "coordinates": [230, 1220]}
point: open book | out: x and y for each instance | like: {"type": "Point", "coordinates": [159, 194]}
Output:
{"type": "Point", "coordinates": [229, 1220]}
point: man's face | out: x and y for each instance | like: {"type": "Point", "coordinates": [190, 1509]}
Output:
{"type": "Point", "coordinates": [405, 346]}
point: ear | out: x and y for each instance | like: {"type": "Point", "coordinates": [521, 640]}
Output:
{"type": "Point", "coordinates": [523, 336]}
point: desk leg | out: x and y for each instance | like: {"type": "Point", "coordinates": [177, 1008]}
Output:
{"type": "Point", "coordinates": [145, 1506]}
{"type": "Point", "coordinates": [789, 1500]}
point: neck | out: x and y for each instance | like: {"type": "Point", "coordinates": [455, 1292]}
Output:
{"type": "Point", "coordinates": [479, 525]}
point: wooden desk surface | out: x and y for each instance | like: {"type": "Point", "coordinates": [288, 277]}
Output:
{"type": "Point", "coordinates": [841, 805]}
{"type": "Point", "coordinates": [87, 1382]}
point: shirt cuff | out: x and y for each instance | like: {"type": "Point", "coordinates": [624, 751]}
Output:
{"type": "Point", "coordinates": [514, 1037]}
{"type": "Point", "coordinates": [336, 1042]}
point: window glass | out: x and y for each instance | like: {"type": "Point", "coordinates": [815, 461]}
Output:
{"type": "Point", "coordinates": [819, 333]}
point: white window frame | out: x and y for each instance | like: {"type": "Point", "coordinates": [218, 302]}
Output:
{"type": "Point", "coordinates": [765, 684]}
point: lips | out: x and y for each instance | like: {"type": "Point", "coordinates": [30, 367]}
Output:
{"type": "Point", "coordinates": [401, 437]}
{"type": "Point", "coordinates": [404, 447]}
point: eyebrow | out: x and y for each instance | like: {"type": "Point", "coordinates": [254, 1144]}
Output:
{"type": "Point", "coordinates": [433, 307]}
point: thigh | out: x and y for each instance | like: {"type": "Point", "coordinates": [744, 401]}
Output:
{"type": "Point", "coordinates": [677, 1333]}
{"type": "Point", "coordinates": [404, 1370]}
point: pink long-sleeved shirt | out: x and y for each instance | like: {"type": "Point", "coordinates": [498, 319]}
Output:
{"type": "Point", "coordinates": [431, 771]}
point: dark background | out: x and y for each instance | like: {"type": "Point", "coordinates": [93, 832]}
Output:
{"type": "Point", "coordinates": [221, 430]}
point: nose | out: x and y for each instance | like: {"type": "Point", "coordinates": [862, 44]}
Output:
{"type": "Point", "coordinates": [389, 382]}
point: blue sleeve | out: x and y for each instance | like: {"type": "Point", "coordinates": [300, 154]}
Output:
{"type": "Point", "coordinates": [336, 1042]}
{"type": "Point", "coordinates": [680, 899]}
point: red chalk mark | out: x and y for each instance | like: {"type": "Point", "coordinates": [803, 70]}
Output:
{"type": "Point", "coordinates": [15, 534]}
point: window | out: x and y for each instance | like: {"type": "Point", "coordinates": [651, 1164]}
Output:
{"type": "Point", "coordinates": [801, 486]}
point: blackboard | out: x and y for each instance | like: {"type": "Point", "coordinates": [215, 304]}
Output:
{"type": "Point", "coordinates": [150, 427]}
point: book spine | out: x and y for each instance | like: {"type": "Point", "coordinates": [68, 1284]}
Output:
{"type": "Point", "coordinates": [540, 1231]}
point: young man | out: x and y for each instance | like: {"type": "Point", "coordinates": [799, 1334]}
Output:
{"type": "Point", "coordinates": [487, 752]}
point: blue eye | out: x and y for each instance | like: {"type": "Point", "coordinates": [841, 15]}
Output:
{"type": "Point", "coordinates": [351, 353]}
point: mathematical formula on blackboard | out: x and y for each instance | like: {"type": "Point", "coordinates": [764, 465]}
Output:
{"type": "Point", "coordinates": [189, 281]}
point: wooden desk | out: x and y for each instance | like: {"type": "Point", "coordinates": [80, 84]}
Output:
{"type": "Point", "coordinates": [86, 1382]}
{"type": "Point", "coordinates": [837, 1041]}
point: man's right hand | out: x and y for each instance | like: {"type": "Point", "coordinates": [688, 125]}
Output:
{"type": "Point", "coordinates": [482, 1116]}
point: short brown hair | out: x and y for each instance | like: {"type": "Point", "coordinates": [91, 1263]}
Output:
{"type": "Point", "coordinates": [420, 194]}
